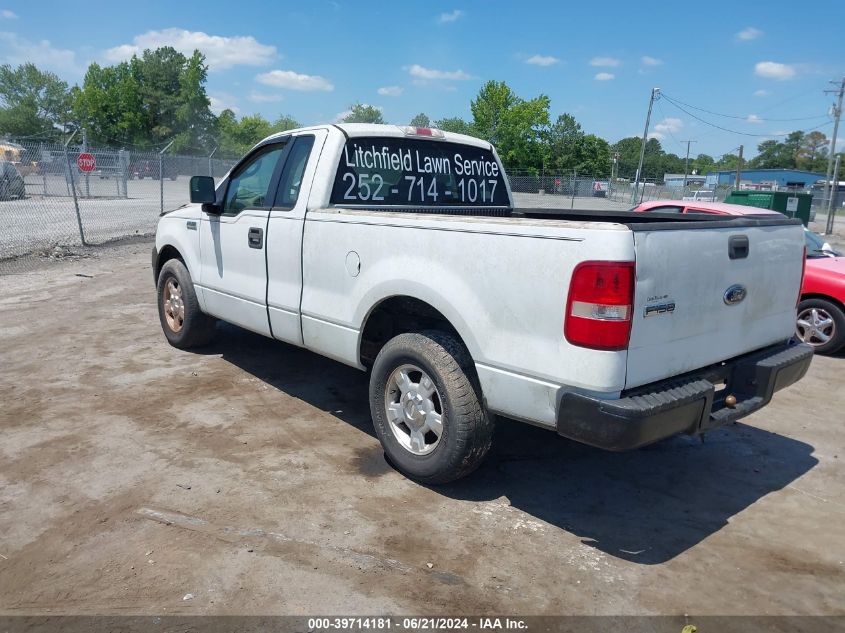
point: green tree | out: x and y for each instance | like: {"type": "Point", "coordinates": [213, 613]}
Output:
{"type": "Point", "coordinates": [726, 162]}
{"type": "Point", "coordinates": [109, 106]}
{"type": "Point", "coordinates": [768, 155]}
{"type": "Point", "coordinates": [562, 143]}
{"type": "Point", "coordinates": [515, 126]}
{"type": "Point", "coordinates": [363, 113]}
{"type": "Point", "coordinates": [32, 102]}
{"type": "Point", "coordinates": [812, 155]}
{"type": "Point", "coordinates": [236, 137]}
{"type": "Point", "coordinates": [456, 125]}
{"type": "Point", "coordinates": [285, 122]}
{"type": "Point", "coordinates": [629, 157]}
{"type": "Point", "coordinates": [421, 120]}
{"type": "Point", "coordinates": [702, 164]}
{"type": "Point", "coordinates": [593, 156]}
{"type": "Point", "coordinates": [490, 107]}
{"type": "Point", "coordinates": [194, 120]}
{"type": "Point", "coordinates": [148, 101]}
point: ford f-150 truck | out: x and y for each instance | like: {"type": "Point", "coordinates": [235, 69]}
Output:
{"type": "Point", "coordinates": [398, 250]}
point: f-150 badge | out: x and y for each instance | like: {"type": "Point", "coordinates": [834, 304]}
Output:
{"type": "Point", "coordinates": [659, 305]}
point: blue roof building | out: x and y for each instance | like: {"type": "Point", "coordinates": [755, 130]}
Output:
{"type": "Point", "coordinates": [783, 178]}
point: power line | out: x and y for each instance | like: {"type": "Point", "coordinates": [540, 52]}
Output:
{"type": "Point", "coordinates": [733, 116]}
{"type": "Point", "coordinates": [724, 129]}
{"type": "Point", "coordinates": [660, 107]}
{"type": "Point", "coordinates": [788, 99]}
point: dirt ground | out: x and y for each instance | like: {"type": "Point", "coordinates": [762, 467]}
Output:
{"type": "Point", "coordinates": [248, 476]}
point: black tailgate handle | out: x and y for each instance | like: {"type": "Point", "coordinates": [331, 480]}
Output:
{"type": "Point", "coordinates": [738, 246]}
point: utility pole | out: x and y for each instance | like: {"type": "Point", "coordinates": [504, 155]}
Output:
{"type": "Point", "coordinates": [614, 162]}
{"type": "Point", "coordinates": [831, 209]}
{"type": "Point", "coordinates": [738, 168]}
{"type": "Point", "coordinates": [655, 93]}
{"type": "Point", "coordinates": [837, 112]}
{"type": "Point", "coordinates": [686, 162]}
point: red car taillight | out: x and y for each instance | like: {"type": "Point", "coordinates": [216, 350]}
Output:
{"type": "Point", "coordinates": [600, 304]}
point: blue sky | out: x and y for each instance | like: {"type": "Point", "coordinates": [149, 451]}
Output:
{"type": "Point", "coordinates": [759, 61]}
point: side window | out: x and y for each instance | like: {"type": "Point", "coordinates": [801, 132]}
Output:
{"type": "Point", "coordinates": [291, 179]}
{"type": "Point", "coordinates": [249, 185]}
{"type": "Point", "coordinates": [667, 209]}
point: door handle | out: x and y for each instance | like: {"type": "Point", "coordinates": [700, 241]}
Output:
{"type": "Point", "coordinates": [255, 237]}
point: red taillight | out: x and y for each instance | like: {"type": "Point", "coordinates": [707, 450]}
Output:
{"type": "Point", "coordinates": [600, 303]}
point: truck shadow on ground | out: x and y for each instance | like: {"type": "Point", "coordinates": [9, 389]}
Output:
{"type": "Point", "coordinates": [645, 506]}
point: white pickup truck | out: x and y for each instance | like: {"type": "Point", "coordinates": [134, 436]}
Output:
{"type": "Point", "coordinates": [399, 251]}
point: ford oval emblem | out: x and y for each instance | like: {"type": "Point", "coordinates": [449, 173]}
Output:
{"type": "Point", "coordinates": [735, 294]}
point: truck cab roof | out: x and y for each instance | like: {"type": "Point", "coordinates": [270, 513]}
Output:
{"type": "Point", "coordinates": [356, 130]}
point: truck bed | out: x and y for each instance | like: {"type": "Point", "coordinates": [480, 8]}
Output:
{"type": "Point", "coordinates": [635, 221]}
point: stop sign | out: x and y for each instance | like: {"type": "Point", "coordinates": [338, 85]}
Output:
{"type": "Point", "coordinates": [86, 162]}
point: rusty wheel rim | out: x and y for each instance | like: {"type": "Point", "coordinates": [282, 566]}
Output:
{"type": "Point", "coordinates": [174, 306]}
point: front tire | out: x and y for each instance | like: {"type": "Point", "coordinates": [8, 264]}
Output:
{"type": "Point", "coordinates": [182, 321]}
{"type": "Point", "coordinates": [821, 323]}
{"type": "Point", "coordinates": [426, 406]}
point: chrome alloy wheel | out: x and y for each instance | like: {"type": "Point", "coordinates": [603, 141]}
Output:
{"type": "Point", "coordinates": [174, 306]}
{"type": "Point", "coordinates": [815, 326]}
{"type": "Point", "coordinates": [414, 409]}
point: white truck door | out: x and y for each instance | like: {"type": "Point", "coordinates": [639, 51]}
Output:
{"type": "Point", "coordinates": [284, 236]}
{"type": "Point", "coordinates": [233, 272]}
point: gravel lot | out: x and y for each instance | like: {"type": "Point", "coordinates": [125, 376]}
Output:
{"type": "Point", "coordinates": [248, 475]}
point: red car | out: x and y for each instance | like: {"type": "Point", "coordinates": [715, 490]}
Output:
{"type": "Point", "coordinates": [698, 206]}
{"type": "Point", "coordinates": [821, 310]}
{"type": "Point", "coordinates": [821, 313]}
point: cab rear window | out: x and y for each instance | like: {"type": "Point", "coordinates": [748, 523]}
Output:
{"type": "Point", "coordinates": [383, 171]}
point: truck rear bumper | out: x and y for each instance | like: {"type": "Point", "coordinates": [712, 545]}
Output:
{"type": "Point", "coordinates": [690, 404]}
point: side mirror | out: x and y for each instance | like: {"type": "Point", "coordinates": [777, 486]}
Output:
{"type": "Point", "coordinates": [202, 189]}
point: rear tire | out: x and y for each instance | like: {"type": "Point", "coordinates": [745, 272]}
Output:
{"type": "Point", "coordinates": [426, 406]}
{"type": "Point", "coordinates": [821, 323]}
{"type": "Point", "coordinates": [182, 321]}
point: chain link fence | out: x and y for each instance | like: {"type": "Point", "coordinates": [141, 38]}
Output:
{"type": "Point", "coordinates": [587, 191]}
{"type": "Point", "coordinates": [49, 204]}
{"type": "Point", "coordinates": [53, 197]}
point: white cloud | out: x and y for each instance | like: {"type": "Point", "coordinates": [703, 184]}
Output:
{"type": "Point", "coordinates": [604, 76]}
{"type": "Point", "coordinates": [223, 101]}
{"type": "Point", "coordinates": [669, 125]}
{"type": "Point", "coordinates": [264, 97]}
{"type": "Point", "coordinates": [294, 81]}
{"type": "Point", "coordinates": [452, 16]}
{"type": "Point", "coordinates": [8, 15]}
{"type": "Point", "coordinates": [220, 52]}
{"type": "Point", "coordinates": [774, 70]}
{"type": "Point", "coordinates": [390, 91]}
{"type": "Point", "coordinates": [605, 61]}
{"type": "Point", "coordinates": [420, 72]}
{"type": "Point", "coordinates": [749, 33]}
{"type": "Point", "coordinates": [650, 61]}
{"type": "Point", "coordinates": [753, 118]}
{"type": "Point", "coordinates": [762, 93]}
{"type": "Point", "coordinates": [542, 60]}
{"type": "Point", "coordinates": [16, 50]}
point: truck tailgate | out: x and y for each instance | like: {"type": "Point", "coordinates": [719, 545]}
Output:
{"type": "Point", "coordinates": [697, 304]}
